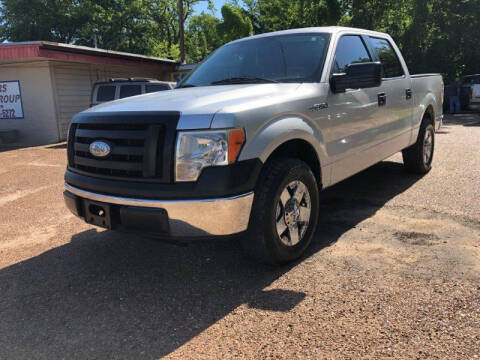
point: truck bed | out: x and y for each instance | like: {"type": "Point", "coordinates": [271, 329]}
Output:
{"type": "Point", "coordinates": [416, 76]}
{"type": "Point", "coordinates": [427, 88]}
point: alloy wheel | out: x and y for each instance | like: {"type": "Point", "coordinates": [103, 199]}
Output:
{"type": "Point", "coordinates": [428, 147]}
{"type": "Point", "coordinates": [293, 213]}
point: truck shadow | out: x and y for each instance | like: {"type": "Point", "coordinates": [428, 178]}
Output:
{"type": "Point", "coordinates": [465, 119]}
{"type": "Point", "coordinates": [111, 295]}
{"type": "Point", "coordinates": [10, 147]}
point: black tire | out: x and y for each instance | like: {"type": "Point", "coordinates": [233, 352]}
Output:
{"type": "Point", "coordinates": [414, 157]}
{"type": "Point", "coordinates": [262, 242]}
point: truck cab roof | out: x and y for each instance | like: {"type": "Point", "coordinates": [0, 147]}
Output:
{"type": "Point", "coordinates": [318, 29]}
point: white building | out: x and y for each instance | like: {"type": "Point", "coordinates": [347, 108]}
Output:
{"type": "Point", "coordinates": [43, 84]}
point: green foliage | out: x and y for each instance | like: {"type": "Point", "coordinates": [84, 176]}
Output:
{"type": "Point", "coordinates": [235, 24]}
{"type": "Point", "coordinates": [451, 32]}
{"type": "Point", "coordinates": [52, 20]}
{"type": "Point", "coordinates": [273, 15]}
{"type": "Point", "coordinates": [122, 25]}
{"type": "Point", "coordinates": [434, 35]}
{"type": "Point", "coordinates": [165, 50]}
{"type": "Point", "coordinates": [201, 37]}
{"type": "Point", "coordinates": [205, 32]}
{"type": "Point", "coordinates": [138, 26]}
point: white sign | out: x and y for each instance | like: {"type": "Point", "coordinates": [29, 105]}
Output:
{"type": "Point", "coordinates": [10, 100]}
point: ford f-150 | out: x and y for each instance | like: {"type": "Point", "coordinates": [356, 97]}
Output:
{"type": "Point", "coordinates": [248, 139]}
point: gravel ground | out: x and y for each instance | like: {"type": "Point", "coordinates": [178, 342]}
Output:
{"type": "Point", "coordinates": [394, 272]}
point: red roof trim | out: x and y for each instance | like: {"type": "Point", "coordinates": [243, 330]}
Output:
{"type": "Point", "coordinates": [18, 52]}
{"type": "Point", "coordinates": [84, 58]}
{"type": "Point", "coordinates": [32, 51]}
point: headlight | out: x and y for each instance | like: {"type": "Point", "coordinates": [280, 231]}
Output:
{"type": "Point", "coordinates": [196, 150]}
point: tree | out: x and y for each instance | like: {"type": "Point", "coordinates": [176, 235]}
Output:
{"type": "Point", "coordinates": [138, 26]}
{"type": "Point", "coordinates": [165, 13]}
{"type": "Point", "coordinates": [122, 25]}
{"type": "Point", "coordinates": [453, 30]}
{"type": "Point", "coordinates": [273, 15]}
{"type": "Point", "coordinates": [53, 20]}
{"type": "Point", "coordinates": [434, 35]}
{"type": "Point", "coordinates": [202, 37]}
{"type": "Point", "coordinates": [234, 25]}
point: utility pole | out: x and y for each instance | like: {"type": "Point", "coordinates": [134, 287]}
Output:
{"type": "Point", "coordinates": [95, 42]}
{"type": "Point", "coordinates": [182, 31]}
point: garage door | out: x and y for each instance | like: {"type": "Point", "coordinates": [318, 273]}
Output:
{"type": "Point", "coordinates": [73, 88]}
{"type": "Point", "coordinates": [74, 82]}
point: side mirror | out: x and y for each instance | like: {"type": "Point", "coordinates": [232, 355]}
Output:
{"type": "Point", "coordinates": [358, 76]}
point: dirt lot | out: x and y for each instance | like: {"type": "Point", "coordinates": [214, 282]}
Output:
{"type": "Point", "coordinates": [393, 272]}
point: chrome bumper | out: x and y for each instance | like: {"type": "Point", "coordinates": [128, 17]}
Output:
{"type": "Point", "coordinates": [222, 216]}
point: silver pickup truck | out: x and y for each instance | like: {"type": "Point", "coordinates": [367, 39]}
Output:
{"type": "Point", "coordinates": [247, 141]}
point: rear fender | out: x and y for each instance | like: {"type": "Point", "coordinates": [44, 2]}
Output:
{"type": "Point", "coordinates": [427, 102]}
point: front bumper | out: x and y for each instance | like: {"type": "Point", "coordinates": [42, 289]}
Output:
{"type": "Point", "coordinates": [176, 218]}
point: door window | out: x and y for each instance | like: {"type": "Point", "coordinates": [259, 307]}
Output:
{"type": "Point", "coordinates": [350, 50]}
{"type": "Point", "coordinates": [106, 93]}
{"type": "Point", "coordinates": [388, 57]}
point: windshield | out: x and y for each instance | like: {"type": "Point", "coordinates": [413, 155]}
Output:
{"type": "Point", "coordinates": [282, 58]}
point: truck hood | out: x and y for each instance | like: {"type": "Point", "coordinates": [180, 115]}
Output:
{"type": "Point", "coordinates": [200, 102]}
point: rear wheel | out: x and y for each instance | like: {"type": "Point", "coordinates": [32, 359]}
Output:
{"type": "Point", "coordinates": [418, 158]}
{"type": "Point", "coordinates": [284, 213]}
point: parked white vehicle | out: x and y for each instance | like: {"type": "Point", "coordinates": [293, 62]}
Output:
{"type": "Point", "coordinates": [115, 89]}
{"type": "Point", "coordinates": [474, 82]}
{"type": "Point", "coordinates": [251, 136]}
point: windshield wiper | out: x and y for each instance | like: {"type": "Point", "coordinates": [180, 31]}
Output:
{"type": "Point", "coordinates": [243, 80]}
{"type": "Point", "coordinates": [185, 86]}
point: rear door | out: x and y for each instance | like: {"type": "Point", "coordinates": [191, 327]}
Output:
{"type": "Point", "coordinates": [395, 120]}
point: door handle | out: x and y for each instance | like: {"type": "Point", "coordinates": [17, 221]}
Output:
{"type": "Point", "coordinates": [382, 99]}
{"type": "Point", "coordinates": [408, 94]}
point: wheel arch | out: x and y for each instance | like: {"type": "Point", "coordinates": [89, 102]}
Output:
{"type": "Point", "coordinates": [430, 114]}
{"type": "Point", "coordinates": [424, 111]}
{"type": "Point", "coordinates": [289, 136]}
{"type": "Point", "coordinates": [302, 150]}
{"type": "Point", "coordinates": [426, 108]}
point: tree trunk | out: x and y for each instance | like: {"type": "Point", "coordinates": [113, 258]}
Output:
{"type": "Point", "coordinates": [181, 31]}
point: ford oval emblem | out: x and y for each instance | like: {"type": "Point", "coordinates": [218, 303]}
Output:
{"type": "Point", "coordinates": [100, 149]}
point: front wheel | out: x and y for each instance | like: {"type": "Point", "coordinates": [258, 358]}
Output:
{"type": "Point", "coordinates": [418, 158]}
{"type": "Point", "coordinates": [284, 212]}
